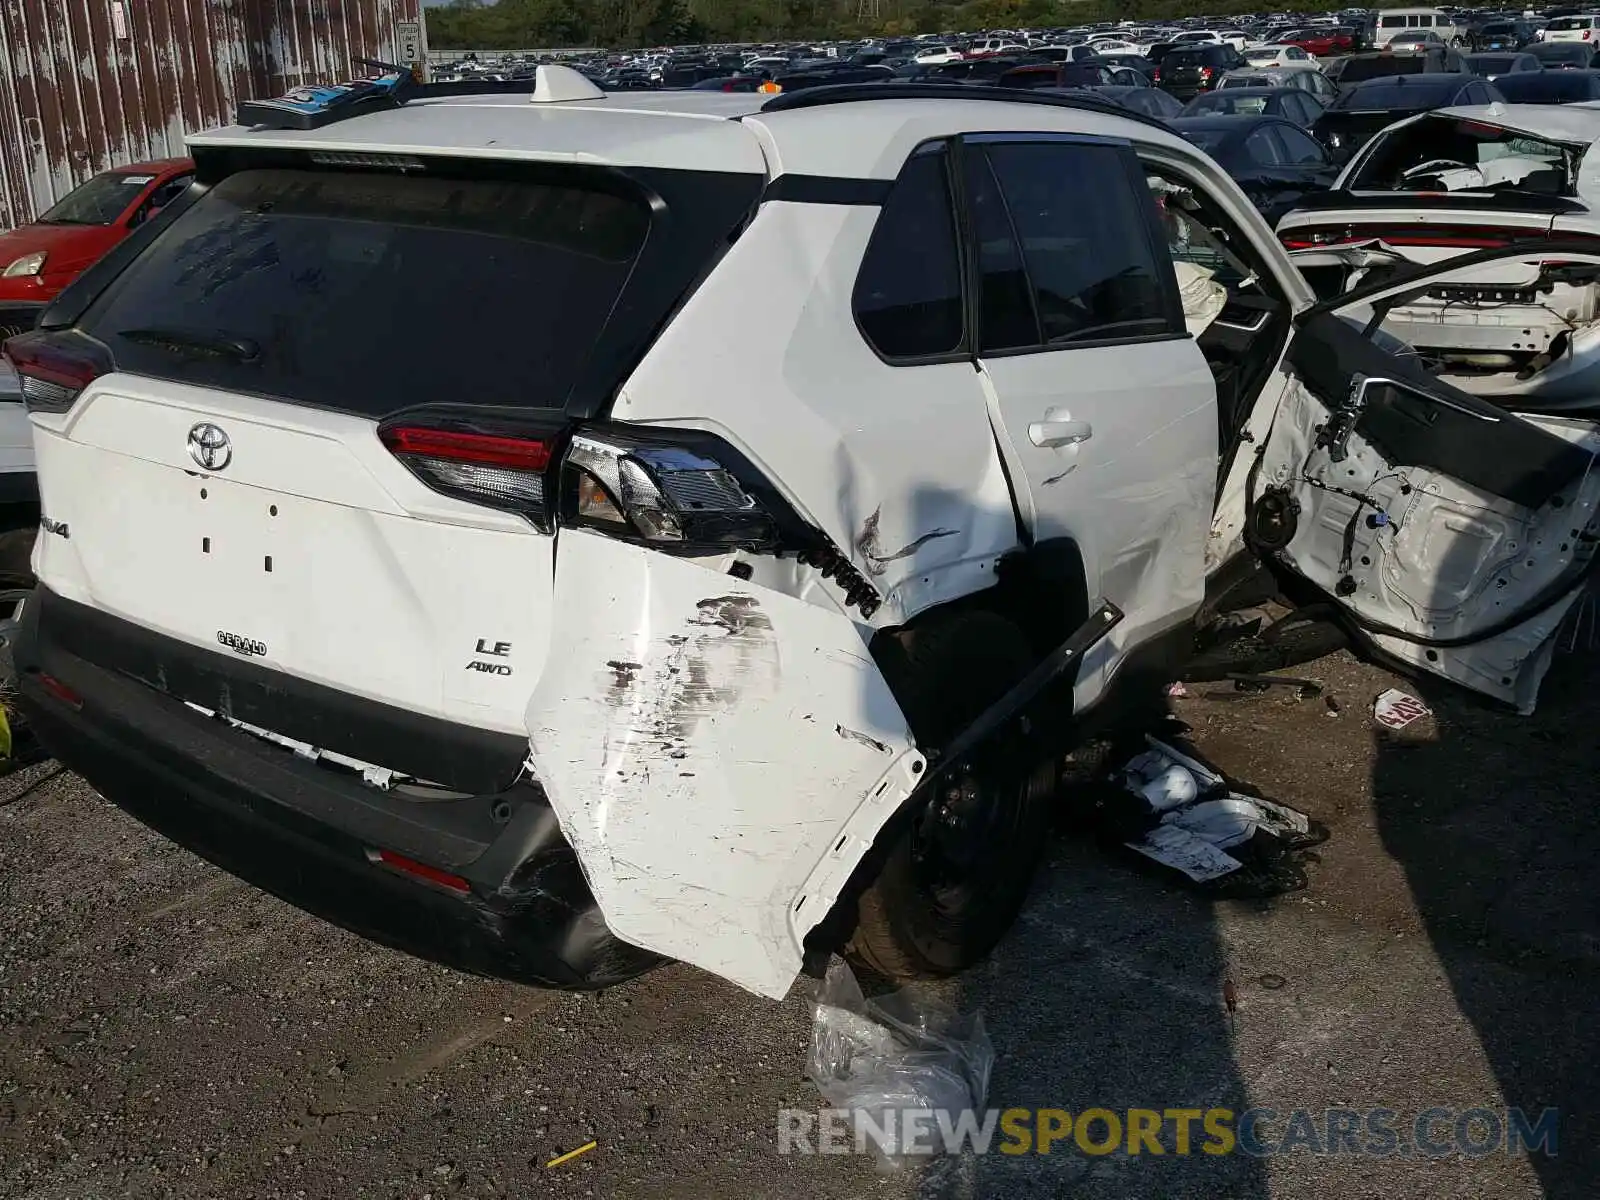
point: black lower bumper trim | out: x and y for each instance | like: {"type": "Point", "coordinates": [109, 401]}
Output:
{"type": "Point", "coordinates": [457, 756]}
{"type": "Point", "coordinates": [243, 805]}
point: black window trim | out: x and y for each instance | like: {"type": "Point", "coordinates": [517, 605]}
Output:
{"type": "Point", "coordinates": [1155, 244]}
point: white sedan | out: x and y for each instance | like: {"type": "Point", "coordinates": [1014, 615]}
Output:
{"type": "Point", "coordinates": [1278, 56]}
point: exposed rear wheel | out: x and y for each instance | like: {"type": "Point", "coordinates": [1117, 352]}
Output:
{"type": "Point", "coordinates": [958, 870]}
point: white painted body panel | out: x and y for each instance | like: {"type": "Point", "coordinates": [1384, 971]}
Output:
{"type": "Point", "coordinates": [356, 598]}
{"type": "Point", "coordinates": [897, 465]}
{"type": "Point", "coordinates": [1137, 495]}
{"type": "Point", "coordinates": [719, 755]}
{"type": "Point", "coordinates": [1453, 560]}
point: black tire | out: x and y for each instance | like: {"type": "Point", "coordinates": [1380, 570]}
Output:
{"type": "Point", "coordinates": [16, 553]}
{"type": "Point", "coordinates": [945, 674]}
{"type": "Point", "coordinates": [1294, 640]}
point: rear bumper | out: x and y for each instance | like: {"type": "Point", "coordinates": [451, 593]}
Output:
{"type": "Point", "coordinates": [307, 834]}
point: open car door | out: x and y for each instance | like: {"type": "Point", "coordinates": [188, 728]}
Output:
{"type": "Point", "coordinates": [1455, 532]}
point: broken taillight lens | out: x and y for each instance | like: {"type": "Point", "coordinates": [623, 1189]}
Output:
{"type": "Point", "coordinates": [53, 368]}
{"type": "Point", "coordinates": [675, 497]}
{"type": "Point", "coordinates": [495, 469]}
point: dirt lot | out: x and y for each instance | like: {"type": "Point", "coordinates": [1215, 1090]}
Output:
{"type": "Point", "coordinates": [167, 1031]}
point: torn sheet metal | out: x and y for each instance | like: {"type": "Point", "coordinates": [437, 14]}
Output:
{"type": "Point", "coordinates": [720, 755]}
{"type": "Point", "coordinates": [1439, 561]}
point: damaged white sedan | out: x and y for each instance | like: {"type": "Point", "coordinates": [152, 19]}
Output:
{"type": "Point", "coordinates": [763, 495]}
{"type": "Point", "coordinates": [1447, 183]}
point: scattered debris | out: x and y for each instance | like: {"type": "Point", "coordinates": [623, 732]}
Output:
{"type": "Point", "coordinates": [1395, 709]}
{"type": "Point", "coordinates": [1271, 981]}
{"type": "Point", "coordinates": [571, 1154]}
{"type": "Point", "coordinates": [1177, 691]}
{"type": "Point", "coordinates": [1334, 707]}
{"type": "Point", "coordinates": [1171, 808]}
{"type": "Point", "coordinates": [877, 1058]}
{"type": "Point", "coordinates": [1309, 689]}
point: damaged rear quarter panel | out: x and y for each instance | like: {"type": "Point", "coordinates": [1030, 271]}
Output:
{"type": "Point", "coordinates": [706, 743]}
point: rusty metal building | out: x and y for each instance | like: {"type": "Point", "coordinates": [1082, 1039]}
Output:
{"type": "Point", "coordinates": [90, 84]}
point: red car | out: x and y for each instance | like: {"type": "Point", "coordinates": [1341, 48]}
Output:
{"type": "Point", "coordinates": [1322, 42]}
{"type": "Point", "coordinates": [37, 261]}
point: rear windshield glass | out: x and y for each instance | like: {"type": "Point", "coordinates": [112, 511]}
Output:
{"type": "Point", "coordinates": [1202, 57]}
{"type": "Point", "coordinates": [99, 202]}
{"type": "Point", "coordinates": [1226, 102]}
{"type": "Point", "coordinates": [1207, 139]}
{"type": "Point", "coordinates": [1381, 65]}
{"type": "Point", "coordinates": [1561, 23]}
{"type": "Point", "coordinates": [367, 293]}
{"type": "Point", "coordinates": [1486, 63]}
{"type": "Point", "coordinates": [1448, 154]}
{"type": "Point", "coordinates": [1405, 97]}
{"type": "Point", "coordinates": [1537, 87]}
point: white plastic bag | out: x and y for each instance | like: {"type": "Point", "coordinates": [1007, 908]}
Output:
{"type": "Point", "coordinates": [879, 1059]}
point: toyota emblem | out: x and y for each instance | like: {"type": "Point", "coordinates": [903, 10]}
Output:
{"type": "Point", "coordinates": [210, 447]}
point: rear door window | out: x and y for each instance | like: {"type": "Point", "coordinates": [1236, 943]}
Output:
{"type": "Point", "coordinates": [1086, 236]}
{"type": "Point", "coordinates": [367, 293]}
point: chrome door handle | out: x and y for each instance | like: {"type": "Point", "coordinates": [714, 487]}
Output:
{"type": "Point", "coordinates": [1059, 431]}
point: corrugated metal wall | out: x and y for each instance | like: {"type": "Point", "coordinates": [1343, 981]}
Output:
{"type": "Point", "coordinates": [90, 84]}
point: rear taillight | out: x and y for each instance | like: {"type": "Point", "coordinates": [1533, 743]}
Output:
{"type": "Point", "coordinates": [53, 368]}
{"type": "Point", "coordinates": [1455, 237]}
{"type": "Point", "coordinates": [496, 469]}
{"type": "Point", "coordinates": [1205, 72]}
{"type": "Point", "coordinates": [59, 690]}
{"type": "Point", "coordinates": [674, 497]}
{"type": "Point", "coordinates": [420, 871]}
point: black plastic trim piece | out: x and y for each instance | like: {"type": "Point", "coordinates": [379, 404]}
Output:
{"type": "Point", "coordinates": [306, 836]}
{"type": "Point", "coordinates": [853, 93]}
{"type": "Point", "coordinates": [827, 189]}
{"type": "Point", "coordinates": [461, 757]}
{"type": "Point", "coordinates": [19, 487]}
{"type": "Point", "coordinates": [1415, 419]}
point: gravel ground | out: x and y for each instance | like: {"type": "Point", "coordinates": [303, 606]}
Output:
{"type": "Point", "coordinates": [168, 1031]}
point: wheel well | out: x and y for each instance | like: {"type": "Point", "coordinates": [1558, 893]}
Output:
{"type": "Point", "coordinates": [21, 514]}
{"type": "Point", "coordinates": [1043, 590]}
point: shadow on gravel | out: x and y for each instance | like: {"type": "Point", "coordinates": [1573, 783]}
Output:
{"type": "Point", "coordinates": [1108, 994]}
{"type": "Point", "coordinates": [1496, 825]}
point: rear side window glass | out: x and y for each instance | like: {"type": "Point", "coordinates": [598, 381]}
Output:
{"type": "Point", "coordinates": [1005, 301]}
{"type": "Point", "coordinates": [1086, 240]}
{"type": "Point", "coordinates": [908, 294]}
{"type": "Point", "coordinates": [367, 293]}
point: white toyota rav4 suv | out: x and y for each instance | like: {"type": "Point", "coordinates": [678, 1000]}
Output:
{"type": "Point", "coordinates": [552, 534]}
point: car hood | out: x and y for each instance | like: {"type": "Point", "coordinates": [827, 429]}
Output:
{"type": "Point", "coordinates": [69, 246]}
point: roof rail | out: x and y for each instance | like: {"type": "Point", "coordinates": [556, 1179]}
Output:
{"type": "Point", "coordinates": [1082, 99]}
